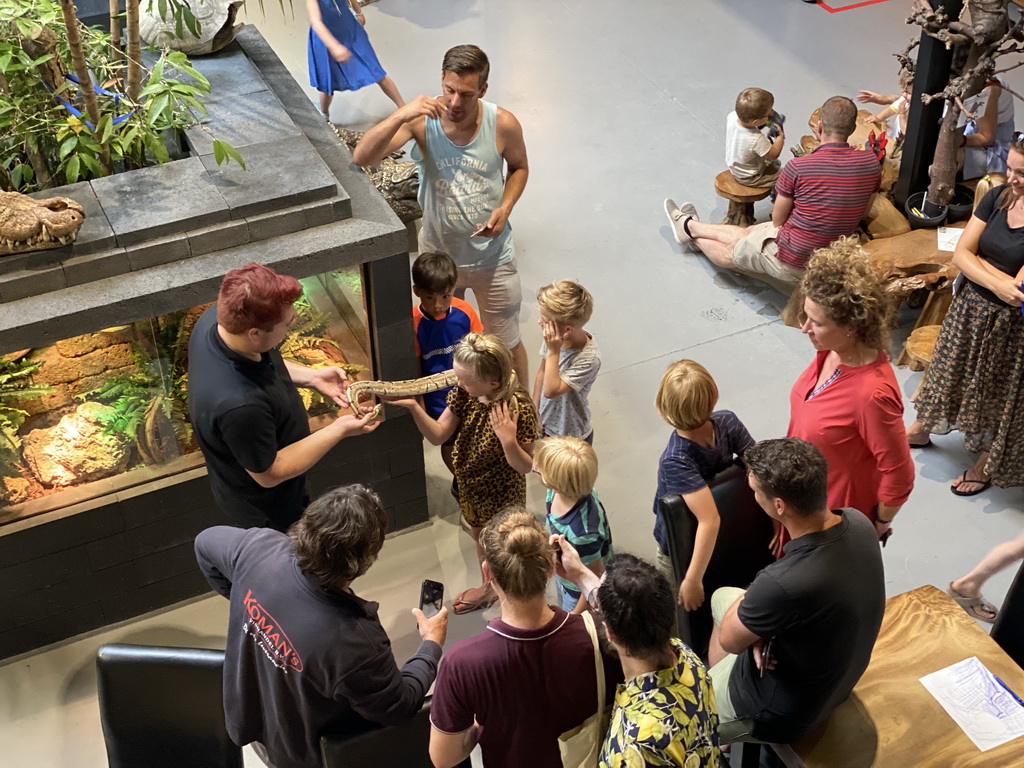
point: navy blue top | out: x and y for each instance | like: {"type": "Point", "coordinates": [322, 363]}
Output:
{"type": "Point", "coordinates": [686, 466]}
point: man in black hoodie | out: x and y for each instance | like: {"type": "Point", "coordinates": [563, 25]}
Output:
{"type": "Point", "coordinates": [304, 653]}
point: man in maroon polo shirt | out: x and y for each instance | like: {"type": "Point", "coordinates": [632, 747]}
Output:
{"type": "Point", "coordinates": [821, 196]}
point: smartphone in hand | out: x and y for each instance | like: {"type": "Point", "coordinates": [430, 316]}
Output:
{"type": "Point", "coordinates": [431, 597]}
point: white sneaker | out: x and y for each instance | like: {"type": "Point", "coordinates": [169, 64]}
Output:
{"type": "Point", "coordinates": [677, 217]}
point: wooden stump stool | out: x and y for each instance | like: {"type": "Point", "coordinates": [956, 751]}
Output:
{"type": "Point", "coordinates": [741, 199]}
{"type": "Point", "coordinates": [919, 347]}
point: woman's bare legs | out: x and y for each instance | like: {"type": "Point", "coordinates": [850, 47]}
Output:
{"type": "Point", "coordinates": [325, 104]}
{"type": "Point", "coordinates": [973, 479]}
{"type": "Point", "coordinates": [999, 558]}
{"type": "Point", "coordinates": [917, 435]}
{"type": "Point", "coordinates": [483, 592]}
{"type": "Point", "coordinates": [391, 90]}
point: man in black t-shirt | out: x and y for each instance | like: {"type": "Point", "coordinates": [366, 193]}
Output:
{"type": "Point", "coordinates": [248, 417]}
{"type": "Point", "coordinates": [791, 647]}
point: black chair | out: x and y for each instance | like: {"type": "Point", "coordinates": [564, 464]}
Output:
{"type": "Point", "coordinates": [369, 745]}
{"type": "Point", "coordinates": [163, 707]}
{"type": "Point", "coordinates": [1008, 630]}
{"type": "Point", "coordinates": [740, 551]}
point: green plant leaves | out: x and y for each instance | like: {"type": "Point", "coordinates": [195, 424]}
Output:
{"type": "Point", "coordinates": [223, 152]}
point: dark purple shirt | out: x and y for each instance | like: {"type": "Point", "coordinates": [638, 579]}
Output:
{"type": "Point", "coordinates": [524, 687]}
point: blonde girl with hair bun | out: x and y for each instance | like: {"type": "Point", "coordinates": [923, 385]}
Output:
{"type": "Point", "coordinates": [497, 426]}
{"type": "Point", "coordinates": [531, 675]}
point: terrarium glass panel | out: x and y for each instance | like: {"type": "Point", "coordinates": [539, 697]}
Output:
{"type": "Point", "coordinates": [108, 410]}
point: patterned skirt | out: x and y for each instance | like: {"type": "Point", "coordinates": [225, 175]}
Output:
{"type": "Point", "coordinates": [975, 382]}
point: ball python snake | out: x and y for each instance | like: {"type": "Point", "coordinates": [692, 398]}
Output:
{"type": "Point", "coordinates": [406, 388]}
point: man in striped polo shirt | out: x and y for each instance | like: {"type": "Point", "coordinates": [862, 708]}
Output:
{"type": "Point", "coordinates": [821, 196]}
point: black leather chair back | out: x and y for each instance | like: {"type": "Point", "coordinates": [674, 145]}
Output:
{"type": "Point", "coordinates": [368, 745]}
{"type": "Point", "coordinates": [741, 549]}
{"type": "Point", "coordinates": [1008, 630]}
{"type": "Point", "coordinates": [163, 707]}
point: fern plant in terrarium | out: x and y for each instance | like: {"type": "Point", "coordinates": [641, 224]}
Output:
{"type": "Point", "coordinates": [15, 385]}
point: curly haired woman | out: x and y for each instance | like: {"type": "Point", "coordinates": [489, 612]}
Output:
{"type": "Point", "coordinates": [847, 403]}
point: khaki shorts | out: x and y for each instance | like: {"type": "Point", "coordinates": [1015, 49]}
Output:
{"type": "Point", "coordinates": [499, 295]}
{"type": "Point", "coordinates": [721, 601]}
{"type": "Point", "coordinates": [755, 254]}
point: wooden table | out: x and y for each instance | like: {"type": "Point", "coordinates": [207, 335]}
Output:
{"type": "Point", "coordinates": [890, 719]}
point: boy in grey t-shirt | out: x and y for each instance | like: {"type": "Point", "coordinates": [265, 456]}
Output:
{"type": "Point", "coordinates": [570, 361]}
{"type": "Point", "coordinates": [750, 155]}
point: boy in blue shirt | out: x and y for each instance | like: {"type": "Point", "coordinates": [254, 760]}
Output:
{"type": "Point", "coordinates": [567, 467]}
{"type": "Point", "coordinates": [440, 322]}
{"type": "Point", "coordinates": [703, 443]}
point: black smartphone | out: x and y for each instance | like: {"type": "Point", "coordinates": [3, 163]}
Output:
{"type": "Point", "coordinates": [431, 597]}
{"type": "Point", "coordinates": [766, 655]}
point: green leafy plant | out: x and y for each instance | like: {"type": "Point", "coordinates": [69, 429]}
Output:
{"type": "Point", "coordinates": [55, 131]}
{"type": "Point", "coordinates": [150, 408]}
{"type": "Point", "coordinates": [15, 385]}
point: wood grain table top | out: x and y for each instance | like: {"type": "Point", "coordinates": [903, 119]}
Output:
{"type": "Point", "coordinates": [890, 719]}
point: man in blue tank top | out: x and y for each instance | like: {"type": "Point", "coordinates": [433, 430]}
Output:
{"type": "Point", "coordinates": [463, 144]}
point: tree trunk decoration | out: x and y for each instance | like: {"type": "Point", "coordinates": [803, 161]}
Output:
{"type": "Point", "coordinates": [84, 78]}
{"type": "Point", "coordinates": [977, 47]}
{"type": "Point", "coordinates": [134, 50]}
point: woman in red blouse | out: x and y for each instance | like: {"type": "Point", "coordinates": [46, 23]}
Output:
{"type": "Point", "coordinates": [847, 403]}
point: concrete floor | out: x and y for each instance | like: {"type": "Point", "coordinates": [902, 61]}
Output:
{"type": "Point", "coordinates": [622, 105]}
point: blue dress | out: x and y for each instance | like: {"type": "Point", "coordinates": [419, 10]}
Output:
{"type": "Point", "coordinates": [328, 75]}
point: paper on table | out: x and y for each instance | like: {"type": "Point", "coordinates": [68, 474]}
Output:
{"type": "Point", "coordinates": [948, 237]}
{"type": "Point", "coordinates": [976, 701]}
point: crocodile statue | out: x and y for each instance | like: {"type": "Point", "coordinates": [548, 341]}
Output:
{"type": "Point", "coordinates": [397, 180]}
{"type": "Point", "coordinates": [27, 224]}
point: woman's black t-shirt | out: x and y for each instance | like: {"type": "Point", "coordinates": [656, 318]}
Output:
{"type": "Point", "coordinates": [1000, 245]}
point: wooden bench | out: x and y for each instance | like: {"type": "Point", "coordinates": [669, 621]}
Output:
{"type": "Point", "coordinates": [741, 199]}
{"type": "Point", "coordinates": [890, 719]}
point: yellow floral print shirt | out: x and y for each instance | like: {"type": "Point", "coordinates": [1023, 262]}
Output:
{"type": "Point", "coordinates": [666, 717]}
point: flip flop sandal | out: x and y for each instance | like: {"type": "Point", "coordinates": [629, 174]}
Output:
{"type": "Point", "coordinates": [964, 479]}
{"type": "Point", "coordinates": [927, 444]}
{"type": "Point", "coordinates": [971, 604]}
{"type": "Point", "coordinates": [460, 606]}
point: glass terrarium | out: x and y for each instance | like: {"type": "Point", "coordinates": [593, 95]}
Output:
{"type": "Point", "coordinates": [108, 410]}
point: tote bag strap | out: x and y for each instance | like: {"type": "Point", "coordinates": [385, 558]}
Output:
{"type": "Point", "coordinates": [588, 620]}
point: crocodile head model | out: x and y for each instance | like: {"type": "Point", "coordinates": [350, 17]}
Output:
{"type": "Point", "coordinates": [27, 224]}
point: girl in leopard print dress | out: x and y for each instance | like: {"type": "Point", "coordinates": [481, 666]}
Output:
{"type": "Point", "coordinates": [497, 426]}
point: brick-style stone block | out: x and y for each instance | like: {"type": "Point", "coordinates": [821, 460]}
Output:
{"type": "Point", "coordinates": [96, 266]}
{"type": "Point", "coordinates": [35, 634]}
{"type": "Point", "coordinates": [396, 490]}
{"type": "Point", "coordinates": [163, 498]}
{"type": "Point", "coordinates": [256, 119]}
{"type": "Point", "coordinates": [45, 571]}
{"type": "Point", "coordinates": [167, 563]}
{"type": "Point", "coordinates": [35, 541]}
{"type": "Point", "coordinates": [405, 458]}
{"type": "Point", "coordinates": [277, 223]}
{"type": "Point", "coordinates": [219, 237]}
{"type": "Point", "coordinates": [229, 71]}
{"type": "Point", "coordinates": [155, 595]}
{"type": "Point", "coordinates": [68, 595]}
{"type": "Point", "coordinates": [410, 513]}
{"type": "Point", "coordinates": [179, 197]}
{"type": "Point", "coordinates": [31, 282]}
{"type": "Point", "coordinates": [396, 350]}
{"type": "Point", "coordinates": [162, 250]}
{"type": "Point", "coordinates": [391, 284]}
{"type": "Point", "coordinates": [284, 172]}
{"type": "Point", "coordinates": [320, 213]}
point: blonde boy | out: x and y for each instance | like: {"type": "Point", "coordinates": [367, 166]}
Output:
{"type": "Point", "coordinates": [752, 158]}
{"type": "Point", "coordinates": [703, 443]}
{"type": "Point", "coordinates": [570, 361]}
{"type": "Point", "coordinates": [567, 467]}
